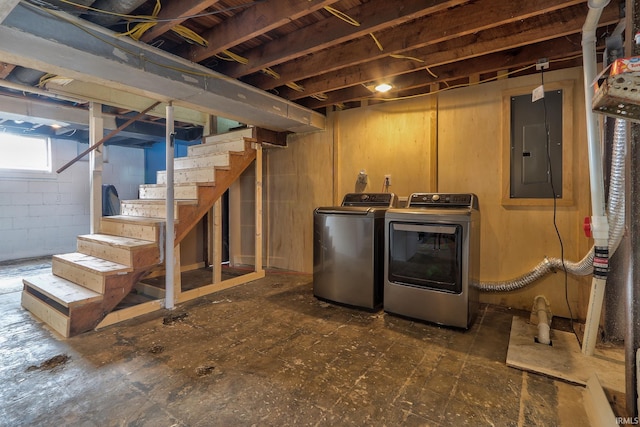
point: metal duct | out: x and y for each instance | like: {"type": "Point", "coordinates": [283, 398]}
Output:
{"type": "Point", "coordinates": [120, 6]}
{"type": "Point", "coordinates": [65, 45]}
{"type": "Point", "coordinates": [25, 76]}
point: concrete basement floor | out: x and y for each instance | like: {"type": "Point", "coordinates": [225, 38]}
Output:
{"type": "Point", "coordinates": [269, 354]}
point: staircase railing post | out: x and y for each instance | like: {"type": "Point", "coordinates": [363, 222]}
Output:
{"type": "Point", "coordinates": [96, 129]}
{"type": "Point", "coordinates": [170, 232]}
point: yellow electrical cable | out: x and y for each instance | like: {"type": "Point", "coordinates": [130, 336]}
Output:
{"type": "Point", "coordinates": [232, 57]}
{"type": "Point", "coordinates": [269, 72]}
{"type": "Point", "coordinates": [189, 35]}
{"type": "Point", "coordinates": [295, 86]}
{"type": "Point", "coordinates": [413, 58]}
{"type": "Point", "coordinates": [377, 42]}
{"type": "Point", "coordinates": [346, 18]}
{"type": "Point", "coordinates": [431, 72]}
{"type": "Point", "coordinates": [46, 78]}
{"type": "Point", "coordinates": [134, 53]}
{"type": "Point", "coordinates": [320, 96]}
{"type": "Point", "coordinates": [142, 27]}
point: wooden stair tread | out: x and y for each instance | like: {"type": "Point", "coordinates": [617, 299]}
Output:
{"type": "Point", "coordinates": [94, 264]}
{"type": "Point", "coordinates": [140, 220]}
{"type": "Point", "coordinates": [118, 241]}
{"type": "Point", "coordinates": [160, 201]}
{"type": "Point", "coordinates": [179, 184]}
{"type": "Point", "coordinates": [64, 292]}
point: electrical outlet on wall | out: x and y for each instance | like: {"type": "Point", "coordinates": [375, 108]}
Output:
{"type": "Point", "coordinates": [387, 180]}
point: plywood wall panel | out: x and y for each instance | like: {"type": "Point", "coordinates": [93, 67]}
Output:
{"type": "Point", "coordinates": [298, 179]}
{"type": "Point", "coordinates": [385, 139]}
{"type": "Point", "coordinates": [317, 169]}
{"type": "Point", "coordinates": [513, 239]}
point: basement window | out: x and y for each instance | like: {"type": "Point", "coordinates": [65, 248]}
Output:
{"type": "Point", "coordinates": [25, 153]}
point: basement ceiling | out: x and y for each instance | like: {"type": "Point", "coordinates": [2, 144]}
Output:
{"type": "Point", "coordinates": [294, 60]}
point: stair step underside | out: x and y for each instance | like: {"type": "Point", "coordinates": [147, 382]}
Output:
{"type": "Point", "coordinates": [86, 270]}
{"type": "Point", "coordinates": [233, 135]}
{"type": "Point", "coordinates": [215, 148]}
{"type": "Point", "coordinates": [137, 227]}
{"type": "Point", "coordinates": [151, 208]}
{"type": "Point", "coordinates": [201, 161]}
{"type": "Point", "coordinates": [62, 291]}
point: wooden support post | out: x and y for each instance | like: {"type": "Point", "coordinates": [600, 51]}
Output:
{"type": "Point", "coordinates": [217, 242]}
{"type": "Point", "coordinates": [235, 226]}
{"type": "Point", "coordinates": [258, 251]}
{"type": "Point", "coordinates": [96, 129]}
{"type": "Point", "coordinates": [433, 138]}
{"type": "Point", "coordinates": [177, 277]}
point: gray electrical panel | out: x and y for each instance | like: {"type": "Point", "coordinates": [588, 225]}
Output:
{"type": "Point", "coordinates": [536, 155]}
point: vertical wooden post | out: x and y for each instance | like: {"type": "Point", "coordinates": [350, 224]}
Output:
{"type": "Point", "coordinates": [258, 251]}
{"type": "Point", "coordinates": [177, 278]}
{"type": "Point", "coordinates": [96, 131]}
{"type": "Point", "coordinates": [433, 138]}
{"type": "Point", "coordinates": [216, 230]}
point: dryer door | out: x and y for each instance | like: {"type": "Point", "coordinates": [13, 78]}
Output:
{"type": "Point", "coordinates": [426, 255]}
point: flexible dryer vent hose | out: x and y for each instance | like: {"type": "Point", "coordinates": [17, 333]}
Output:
{"type": "Point", "coordinates": [615, 214]}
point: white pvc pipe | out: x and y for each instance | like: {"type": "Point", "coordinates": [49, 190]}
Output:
{"type": "Point", "coordinates": [599, 223]}
{"type": "Point", "coordinates": [544, 330]}
{"type": "Point", "coordinates": [170, 232]}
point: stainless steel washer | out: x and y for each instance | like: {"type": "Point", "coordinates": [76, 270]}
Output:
{"type": "Point", "coordinates": [348, 250]}
{"type": "Point", "coordinates": [432, 260]}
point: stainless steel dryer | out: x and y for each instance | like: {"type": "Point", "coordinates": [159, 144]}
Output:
{"type": "Point", "coordinates": [432, 260]}
{"type": "Point", "coordinates": [348, 250]}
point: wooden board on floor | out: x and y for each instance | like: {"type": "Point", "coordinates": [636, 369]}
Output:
{"type": "Point", "coordinates": [563, 360]}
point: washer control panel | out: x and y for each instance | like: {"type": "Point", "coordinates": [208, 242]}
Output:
{"type": "Point", "coordinates": [443, 200]}
{"type": "Point", "coordinates": [370, 200]}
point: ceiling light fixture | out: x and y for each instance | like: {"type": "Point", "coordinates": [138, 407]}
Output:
{"type": "Point", "coordinates": [383, 87]}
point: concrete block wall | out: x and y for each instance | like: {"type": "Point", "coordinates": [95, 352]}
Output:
{"type": "Point", "coordinates": [42, 214]}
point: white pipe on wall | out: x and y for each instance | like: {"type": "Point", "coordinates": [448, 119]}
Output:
{"type": "Point", "coordinates": [169, 300]}
{"type": "Point", "coordinates": [541, 308]}
{"type": "Point", "coordinates": [599, 224]}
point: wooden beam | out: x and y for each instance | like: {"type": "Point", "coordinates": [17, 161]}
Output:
{"type": "Point", "coordinates": [107, 137]}
{"type": "Point", "coordinates": [217, 287]}
{"type": "Point", "coordinates": [96, 130]}
{"type": "Point", "coordinates": [453, 52]}
{"type": "Point", "coordinates": [461, 70]}
{"type": "Point", "coordinates": [510, 36]}
{"type": "Point", "coordinates": [373, 16]}
{"type": "Point", "coordinates": [177, 11]}
{"type": "Point", "coordinates": [468, 19]}
{"type": "Point", "coordinates": [250, 23]}
{"type": "Point", "coordinates": [5, 69]}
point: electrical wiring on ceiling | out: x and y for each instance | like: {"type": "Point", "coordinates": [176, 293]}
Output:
{"type": "Point", "coordinates": [519, 70]}
{"type": "Point", "coordinates": [134, 18]}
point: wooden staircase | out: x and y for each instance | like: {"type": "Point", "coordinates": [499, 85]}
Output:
{"type": "Point", "coordinates": [84, 286]}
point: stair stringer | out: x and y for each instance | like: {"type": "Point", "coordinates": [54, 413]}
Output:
{"type": "Point", "coordinates": [88, 316]}
{"type": "Point", "coordinates": [208, 195]}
